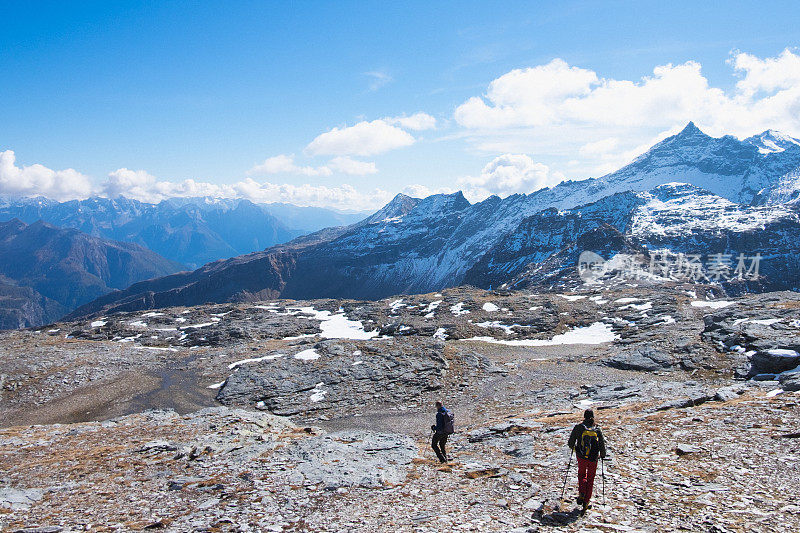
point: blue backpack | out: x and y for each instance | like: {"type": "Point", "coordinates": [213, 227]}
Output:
{"type": "Point", "coordinates": [448, 423]}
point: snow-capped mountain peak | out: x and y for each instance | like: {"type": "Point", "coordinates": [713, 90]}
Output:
{"type": "Point", "coordinates": [397, 208]}
{"type": "Point", "coordinates": [772, 141]}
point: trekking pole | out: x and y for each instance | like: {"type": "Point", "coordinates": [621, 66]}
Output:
{"type": "Point", "coordinates": [603, 473]}
{"type": "Point", "coordinates": [566, 473]}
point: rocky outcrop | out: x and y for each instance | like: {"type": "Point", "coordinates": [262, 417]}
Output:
{"type": "Point", "coordinates": [349, 459]}
{"type": "Point", "coordinates": [760, 332]}
{"type": "Point", "coordinates": [337, 374]}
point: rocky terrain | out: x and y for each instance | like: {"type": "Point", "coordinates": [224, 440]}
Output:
{"type": "Point", "coordinates": [284, 415]}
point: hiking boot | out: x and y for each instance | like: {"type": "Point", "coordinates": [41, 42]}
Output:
{"type": "Point", "coordinates": [580, 500]}
{"type": "Point", "coordinates": [584, 508]}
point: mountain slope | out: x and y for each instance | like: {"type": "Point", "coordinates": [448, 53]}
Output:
{"type": "Point", "coordinates": [191, 231]}
{"type": "Point", "coordinates": [678, 218]}
{"type": "Point", "coordinates": [46, 271]}
{"type": "Point", "coordinates": [425, 245]}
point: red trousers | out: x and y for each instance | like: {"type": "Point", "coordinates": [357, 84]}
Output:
{"type": "Point", "coordinates": [586, 472]}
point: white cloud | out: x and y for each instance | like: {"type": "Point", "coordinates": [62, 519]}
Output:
{"type": "Point", "coordinates": [509, 174]}
{"type": "Point", "coordinates": [343, 196]}
{"type": "Point", "coordinates": [284, 164]}
{"type": "Point", "coordinates": [362, 139]}
{"type": "Point", "coordinates": [769, 75]}
{"type": "Point", "coordinates": [422, 191]}
{"type": "Point", "coordinates": [377, 79]}
{"type": "Point", "coordinates": [526, 97]}
{"type": "Point", "coordinates": [142, 186]}
{"type": "Point", "coordinates": [556, 110]}
{"type": "Point", "coordinates": [417, 121]}
{"type": "Point", "coordinates": [135, 184]}
{"type": "Point", "coordinates": [353, 167]}
{"type": "Point", "coordinates": [35, 180]}
{"type": "Point", "coordinates": [601, 147]}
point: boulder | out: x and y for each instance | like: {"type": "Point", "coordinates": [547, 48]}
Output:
{"type": "Point", "coordinates": [685, 449]}
{"type": "Point", "coordinates": [646, 358]}
{"type": "Point", "coordinates": [790, 381]}
{"type": "Point", "coordinates": [774, 361]}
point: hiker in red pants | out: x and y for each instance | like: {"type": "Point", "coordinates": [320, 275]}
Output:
{"type": "Point", "coordinates": [587, 441]}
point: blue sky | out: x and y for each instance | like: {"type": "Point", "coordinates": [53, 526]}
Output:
{"type": "Point", "coordinates": [156, 93]}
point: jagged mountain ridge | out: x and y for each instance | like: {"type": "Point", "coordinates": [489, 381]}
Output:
{"type": "Point", "coordinates": [676, 217]}
{"type": "Point", "coordinates": [47, 271]}
{"type": "Point", "coordinates": [436, 241]}
{"type": "Point", "coordinates": [191, 231]}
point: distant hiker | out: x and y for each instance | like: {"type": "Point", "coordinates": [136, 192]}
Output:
{"type": "Point", "coordinates": [587, 441]}
{"type": "Point", "coordinates": [441, 430]}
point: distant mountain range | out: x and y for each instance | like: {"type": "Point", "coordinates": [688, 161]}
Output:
{"type": "Point", "coordinates": [738, 197]}
{"type": "Point", "coordinates": [47, 271]}
{"type": "Point", "coordinates": [190, 231]}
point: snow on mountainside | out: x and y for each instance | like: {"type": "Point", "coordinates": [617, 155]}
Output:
{"type": "Point", "coordinates": [413, 245]}
{"type": "Point", "coordinates": [718, 165]}
{"type": "Point", "coordinates": [784, 191]}
{"type": "Point", "coordinates": [673, 218]}
{"type": "Point", "coordinates": [676, 209]}
{"type": "Point", "coordinates": [772, 141]}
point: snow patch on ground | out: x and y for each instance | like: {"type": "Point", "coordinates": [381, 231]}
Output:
{"type": "Point", "coordinates": [431, 309]}
{"type": "Point", "coordinates": [597, 333]}
{"type": "Point", "coordinates": [440, 334]}
{"type": "Point", "coordinates": [715, 304]}
{"type": "Point", "coordinates": [573, 297]}
{"type": "Point", "coordinates": [490, 307]}
{"type": "Point", "coordinates": [317, 394]}
{"type": "Point", "coordinates": [338, 326]}
{"type": "Point", "coordinates": [639, 307]}
{"type": "Point", "coordinates": [198, 326]}
{"type": "Point", "coordinates": [307, 355]}
{"type": "Point", "coordinates": [497, 324]}
{"type": "Point", "coordinates": [458, 309]}
{"type": "Point", "coordinates": [256, 360]}
{"type": "Point", "coordinates": [98, 323]}
{"type": "Point", "coordinates": [767, 322]}
{"type": "Point", "coordinates": [157, 348]}
{"type": "Point", "coordinates": [780, 352]}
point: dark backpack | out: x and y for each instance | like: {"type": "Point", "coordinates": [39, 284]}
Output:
{"type": "Point", "coordinates": [448, 423]}
{"type": "Point", "coordinates": [588, 444]}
